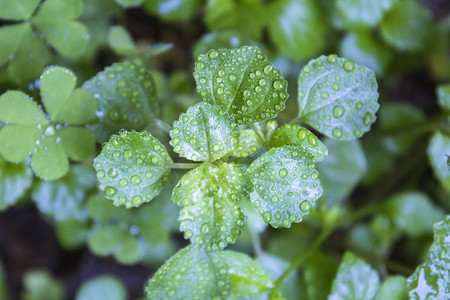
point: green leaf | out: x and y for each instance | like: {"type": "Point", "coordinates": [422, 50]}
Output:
{"type": "Point", "coordinates": [114, 240]}
{"type": "Point", "coordinates": [342, 170]}
{"type": "Point", "coordinates": [443, 95]}
{"type": "Point", "coordinates": [408, 26]}
{"type": "Point", "coordinates": [248, 143]}
{"type": "Point", "coordinates": [438, 150]}
{"type": "Point", "coordinates": [132, 168]}
{"type": "Point", "coordinates": [121, 41]}
{"type": "Point", "coordinates": [355, 279]}
{"type": "Point", "coordinates": [31, 57]}
{"type": "Point", "coordinates": [69, 38]}
{"type": "Point", "coordinates": [412, 212]}
{"type": "Point", "coordinates": [40, 284]}
{"type": "Point", "coordinates": [393, 288]}
{"type": "Point", "coordinates": [17, 142]}
{"type": "Point", "coordinates": [297, 28]}
{"type": "Point", "coordinates": [170, 10]}
{"type": "Point", "coordinates": [78, 142]}
{"type": "Point", "coordinates": [247, 277]}
{"type": "Point", "coordinates": [320, 270]}
{"type": "Point", "coordinates": [59, 10]}
{"type": "Point", "coordinates": [102, 287]}
{"type": "Point", "coordinates": [367, 49]}
{"type": "Point", "coordinates": [362, 13]}
{"type": "Point", "coordinates": [204, 132]}
{"type": "Point", "coordinates": [18, 108]}
{"type": "Point", "coordinates": [126, 98]}
{"type": "Point", "coordinates": [242, 82]}
{"type": "Point", "coordinates": [301, 137]}
{"type": "Point", "coordinates": [71, 233]}
{"type": "Point", "coordinates": [228, 14]}
{"type": "Point", "coordinates": [17, 10]}
{"type": "Point", "coordinates": [209, 195]}
{"type": "Point", "coordinates": [62, 102]}
{"type": "Point", "coordinates": [11, 37]}
{"type": "Point", "coordinates": [63, 199]}
{"type": "Point", "coordinates": [49, 160]}
{"type": "Point", "coordinates": [285, 185]}
{"type": "Point", "coordinates": [15, 180]}
{"type": "Point", "coordinates": [337, 97]}
{"type": "Point", "coordinates": [430, 279]}
{"type": "Point", "coordinates": [193, 273]}
{"type": "Point", "coordinates": [102, 211]}
{"type": "Point", "coordinates": [129, 3]}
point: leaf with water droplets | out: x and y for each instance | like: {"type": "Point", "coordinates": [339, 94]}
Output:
{"type": "Point", "coordinates": [193, 273]}
{"type": "Point", "coordinates": [438, 151]}
{"type": "Point", "coordinates": [126, 97]}
{"type": "Point", "coordinates": [49, 160]}
{"type": "Point", "coordinates": [285, 185]}
{"type": "Point", "coordinates": [15, 180]}
{"type": "Point", "coordinates": [18, 108]}
{"type": "Point", "coordinates": [242, 82]}
{"type": "Point", "coordinates": [132, 168]}
{"type": "Point", "coordinates": [204, 132]}
{"type": "Point", "coordinates": [102, 287]}
{"type": "Point", "coordinates": [11, 37]}
{"type": "Point", "coordinates": [355, 279]}
{"type": "Point", "coordinates": [431, 279]}
{"type": "Point", "coordinates": [337, 97]}
{"type": "Point", "coordinates": [209, 196]}
{"type": "Point", "coordinates": [248, 143]}
{"type": "Point", "coordinates": [298, 136]}
{"type": "Point", "coordinates": [17, 10]}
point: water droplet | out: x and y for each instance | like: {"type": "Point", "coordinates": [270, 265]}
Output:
{"type": "Point", "coordinates": [349, 66]}
{"type": "Point", "coordinates": [223, 228]}
{"type": "Point", "coordinates": [188, 234]}
{"type": "Point", "coordinates": [213, 54]}
{"type": "Point", "coordinates": [97, 165]}
{"type": "Point", "coordinates": [325, 95]}
{"type": "Point", "coordinates": [257, 204]}
{"type": "Point", "coordinates": [128, 153]}
{"type": "Point", "coordinates": [110, 191]}
{"type": "Point", "coordinates": [275, 199]}
{"type": "Point", "coordinates": [337, 133]}
{"type": "Point", "coordinates": [112, 173]}
{"type": "Point", "coordinates": [338, 111]}
{"type": "Point", "coordinates": [199, 240]}
{"type": "Point", "coordinates": [50, 130]}
{"type": "Point", "coordinates": [302, 133]}
{"type": "Point", "coordinates": [312, 140]}
{"type": "Point", "coordinates": [205, 228]}
{"type": "Point", "coordinates": [315, 175]}
{"type": "Point", "coordinates": [267, 217]}
{"type": "Point", "coordinates": [220, 91]}
{"type": "Point", "coordinates": [114, 114]}
{"type": "Point", "coordinates": [100, 174]}
{"type": "Point", "coordinates": [200, 65]}
{"type": "Point", "coordinates": [278, 85]}
{"type": "Point", "coordinates": [268, 68]}
{"type": "Point", "coordinates": [332, 59]}
{"type": "Point", "coordinates": [135, 180]}
{"type": "Point", "coordinates": [358, 105]}
{"type": "Point", "coordinates": [123, 182]}
{"type": "Point", "coordinates": [306, 69]}
{"type": "Point", "coordinates": [335, 86]}
{"type": "Point", "coordinates": [367, 119]}
{"type": "Point", "coordinates": [305, 206]}
{"type": "Point", "coordinates": [247, 93]}
{"type": "Point", "coordinates": [283, 172]}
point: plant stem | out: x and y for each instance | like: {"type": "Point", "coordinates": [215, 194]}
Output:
{"type": "Point", "coordinates": [300, 259]}
{"type": "Point", "coordinates": [259, 131]}
{"type": "Point", "coordinates": [185, 165]}
{"type": "Point", "coordinates": [162, 125]}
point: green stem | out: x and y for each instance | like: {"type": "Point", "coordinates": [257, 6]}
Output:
{"type": "Point", "coordinates": [296, 120]}
{"type": "Point", "coordinates": [185, 165]}
{"type": "Point", "coordinates": [300, 259]}
{"type": "Point", "coordinates": [162, 125]}
{"type": "Point", "coordinates": [259, 131]}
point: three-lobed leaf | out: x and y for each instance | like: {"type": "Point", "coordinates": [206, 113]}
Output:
{"type": "Point", "coordinates": [242, 82]}
{"type": "Point", "coordinates": [204, 133]}
{"type": "Point", "coordinates": [285, 185]}
{"type": "Point", "coordinates": [337, 97]}
{"type": "Point", "coordinates": [17, 10]}
{"type": "Point", "coordinates": [132, 168]}
{"type": "Point", "coordinates": [209, 196]}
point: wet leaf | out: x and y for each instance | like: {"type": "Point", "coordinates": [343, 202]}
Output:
{"type": "Point", "coordinates": [132, 168]}
{"type": "Point", "coordinates": [248, 143]}
{"type": "Point", "coordinates": [17, 10]}
{"type": "Point", "coordinates": [49, 160]}
{"type": "Point", "coordinates": [285, 185]}
{"type": "Point", "coordinates": [204, 133]}
{"type": "Point", "coordinates": [337, 97]}
{"type": "Point", "coordinates": [242, 82]}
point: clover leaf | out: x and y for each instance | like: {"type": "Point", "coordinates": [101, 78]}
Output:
{"type": "Point", "coordinates": [337, 97]}
{"type": "Point", "coordinates": [24, 44]}
{"type": "Point", "coordinates": [285, 185]}
{"type": "Point", "coordinates": [50, 139]}
{"type": "Point", "coordinates": [203, 133]}
{"type": "Point", "coordinates": [209, 196]}
{"type": "Point", "coordinates": [132, 168]}
{"type": "Point", "coordinates": [242, 82]}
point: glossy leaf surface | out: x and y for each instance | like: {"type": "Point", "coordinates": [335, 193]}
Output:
{"type": "Point", "coordinates": [438, 149]}
{"type": "Point", "coordinates": [18, 141]}
{"type": "Point", "coordinates": [285, 185]}
{"type": "Point", "coordinates": [18, 108]}
{"type": "Point", "coordinates": [17, 10]}
{"type": "Point", "coordinates": [126, 97]}
{"type": "Point", "coordinates": [248, 143]}
{"type": "Point", "coordinates": [430, 279]}
{"type": "Point", "coordinates": [301, 137]}
{"type": "Point", "coordinates": [49, 160]}
{"type": "Point", "coordinates": [102, 287]}
{"type": "Point", "coordinates": [78, 142]}
{"type": "Point", "coordinates": [204, 133]}
{"type": "Point", "coordinates": [337, 97]}
{"type": "Point", "coordinates": [355, 279]}
{"type": "Point", "coordinates": [209, 196]}
{"type": "Point", "coordinates": [132, 168]}
{"type": "Point", "coordinates": [242, 82]}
